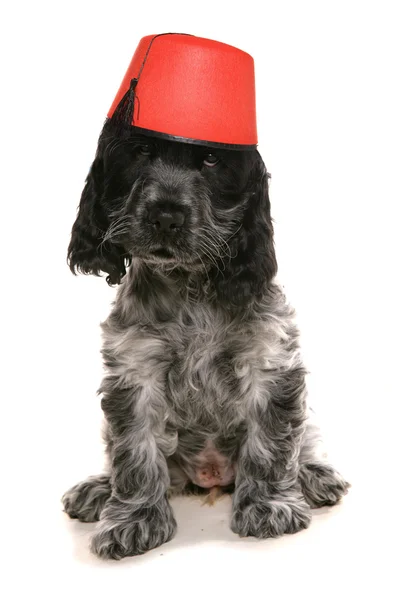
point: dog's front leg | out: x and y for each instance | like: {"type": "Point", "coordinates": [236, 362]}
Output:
{"type": "Point", "coordinates": [137, 517]}
{"type": "Point", "coordinates": [268, 501]}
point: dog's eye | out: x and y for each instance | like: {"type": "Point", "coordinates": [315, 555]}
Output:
{"type": "Point", "coordinates": [210, 160]}
{"type": "Point", "coordinates": [145, 150]}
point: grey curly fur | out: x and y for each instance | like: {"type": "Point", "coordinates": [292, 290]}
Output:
{"type": "Point", "coordinates": [188, 370]}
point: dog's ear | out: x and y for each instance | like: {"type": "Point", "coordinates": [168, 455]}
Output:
{"type": "Point", "coordinates": [253, 265]}
{"type": "Point", "coordinates": [87, 251]}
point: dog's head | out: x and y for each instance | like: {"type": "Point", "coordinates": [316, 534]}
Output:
{"type": "Point", "coordinates": [176, 204]}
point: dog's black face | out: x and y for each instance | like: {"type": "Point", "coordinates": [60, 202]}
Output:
{"type": "Point", "coordinates": [174, 204]}
{"type": "Point", "coordinates": [182, 206]}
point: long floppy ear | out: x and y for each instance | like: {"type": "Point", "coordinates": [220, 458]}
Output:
{"type": "Point", "coordinates": [248, 274]}
{"type": "Point", "coordinates": [87, 251]}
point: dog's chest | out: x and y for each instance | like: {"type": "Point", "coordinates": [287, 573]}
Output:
{"type": "Point", "coordinates": [215, 363]}
{"type": "Point", "coordinates": [200, 370]}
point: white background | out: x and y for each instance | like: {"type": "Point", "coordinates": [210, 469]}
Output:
{"type": "Point", "coordinates": [325, 103]}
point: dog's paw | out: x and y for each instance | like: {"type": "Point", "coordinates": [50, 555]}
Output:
{"type": "Point", "coordinates": [322, 485]}
{"type": "Point", "coordinates": [86, 500]}
{"type": "Point", "coordinates": [267, 518]}
{"type": "Point", "coordinates": [124, 532]}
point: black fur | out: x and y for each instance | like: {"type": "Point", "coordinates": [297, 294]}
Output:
{"type": "Point", "coordinates": [238, 179]}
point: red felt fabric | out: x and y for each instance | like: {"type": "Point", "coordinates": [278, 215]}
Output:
{"type": "Point", "coordinates": [193, 88]}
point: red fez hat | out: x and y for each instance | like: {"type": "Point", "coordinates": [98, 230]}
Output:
{"type": "Point", "coordinates": [188, 89]}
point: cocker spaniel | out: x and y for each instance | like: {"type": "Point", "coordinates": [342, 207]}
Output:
{"type": "Point", "coordinates": [205, 385]}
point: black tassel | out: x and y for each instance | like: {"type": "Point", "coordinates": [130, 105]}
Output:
{"type": "Point", "coordinates": [131, 102]}
{"type": "Point", "coordinates": [123, 116]}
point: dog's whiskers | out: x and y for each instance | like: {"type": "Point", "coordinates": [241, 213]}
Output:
{"type": "Point", "coordinates": [217, 245]}
{"type": "Point", "coordinates": [207, 252]}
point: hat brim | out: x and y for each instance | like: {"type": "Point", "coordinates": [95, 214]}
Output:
{"type": "Point", "coordinates": [132, 130]}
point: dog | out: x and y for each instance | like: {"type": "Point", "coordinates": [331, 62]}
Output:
{"type": "Point", "coordinates": [205, 385]}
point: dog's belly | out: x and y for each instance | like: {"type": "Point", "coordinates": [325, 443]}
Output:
{"type": "Point", "coordinates": [202, 461]}
{"type": "Point", "coordinates": [212, 468]}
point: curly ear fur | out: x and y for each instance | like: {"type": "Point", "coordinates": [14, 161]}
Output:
{"type": "Point", "coordinates": [87, 253]}
{"type": "Point", "coordinates": [248, 274]}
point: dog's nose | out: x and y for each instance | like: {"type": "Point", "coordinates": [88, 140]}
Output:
{"type": "Point", "coordinates": [166, 220]}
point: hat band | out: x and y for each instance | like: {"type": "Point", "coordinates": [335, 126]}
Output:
{"type": "Point", "coordinates": [178, 138]}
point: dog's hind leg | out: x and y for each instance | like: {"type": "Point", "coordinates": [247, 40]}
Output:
{"type": "Point", "coordinates": [321, 484]}
{"type": "Point", "coordinates": [85, 500]}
